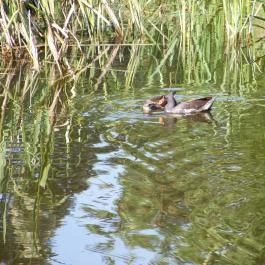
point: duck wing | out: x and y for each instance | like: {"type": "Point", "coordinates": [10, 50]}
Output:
{"type": "Point", "coordinates": [193, 106]}
{"type": "Point", "coordinates": [198, 103]}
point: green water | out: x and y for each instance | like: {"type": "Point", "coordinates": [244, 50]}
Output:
{"type": "Point", "coordinates": [107, 184]}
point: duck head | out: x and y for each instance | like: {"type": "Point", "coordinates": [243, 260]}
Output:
{"type": "Point", "coordinates": [156, 103]}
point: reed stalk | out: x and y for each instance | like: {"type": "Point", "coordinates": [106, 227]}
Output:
{"type": "Point", "coordinates": [28, 26]}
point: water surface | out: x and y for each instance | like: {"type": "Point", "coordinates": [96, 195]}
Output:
{"type": "Point", "coordinates": [108, 184]}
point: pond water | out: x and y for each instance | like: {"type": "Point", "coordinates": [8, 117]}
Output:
{"type": "Point", "coordinates": [108, 184]}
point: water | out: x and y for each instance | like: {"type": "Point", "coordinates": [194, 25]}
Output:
{"type": "Point", "coordinates": [109, 184]}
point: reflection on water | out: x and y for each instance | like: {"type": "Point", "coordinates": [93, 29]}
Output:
{"type": "Point", "coordinates": [187, 191]}
{"type": "Point", "coordinates": [170, 120]}
{"type": "Point", "coordinates": [111, 185]}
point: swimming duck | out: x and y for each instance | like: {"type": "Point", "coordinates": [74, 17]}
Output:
{"type": "Point", "coordinates": [188, 107]}
{"type": "Point", "coordinates": [156, 103]}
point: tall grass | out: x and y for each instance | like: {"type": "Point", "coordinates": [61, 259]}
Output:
{"type": "Point", "coordinates": [45, 29]}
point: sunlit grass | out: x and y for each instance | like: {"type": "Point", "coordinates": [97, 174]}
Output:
{"type": "Point", "coordinates": [37, 26]}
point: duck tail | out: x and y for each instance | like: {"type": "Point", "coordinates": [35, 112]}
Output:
{"type": "Point", "coordinates": [208, 105]}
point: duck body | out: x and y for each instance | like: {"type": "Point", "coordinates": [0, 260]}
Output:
{"type": "Point", "coordinates": [188, 107]}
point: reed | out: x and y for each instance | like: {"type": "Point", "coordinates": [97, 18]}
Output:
{"type": "Point", "coordinates": [44, 29]}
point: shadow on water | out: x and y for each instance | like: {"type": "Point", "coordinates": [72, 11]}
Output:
{"type": "Point", "coordinates": [85, 176]}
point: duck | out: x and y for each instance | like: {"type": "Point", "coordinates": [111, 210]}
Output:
{"type": "Point", "coordinates": [156, 103]}
{"type": "Point", "coordinates": [187, 107]}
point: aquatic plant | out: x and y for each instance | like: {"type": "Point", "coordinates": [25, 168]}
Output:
{"type": "Point", "coordinates": [45, 29]}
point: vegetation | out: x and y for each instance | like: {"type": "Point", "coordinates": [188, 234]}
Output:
{"type": "Point", "coordinates": [48, 29]}
{"type": "Point", "coordinates": [54, 52]}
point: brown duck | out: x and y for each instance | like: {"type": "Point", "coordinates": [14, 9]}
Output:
{"type": "Point", "coordinates": [188, 107]}
{"type": "Point", "coordinates": [169, 105]}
